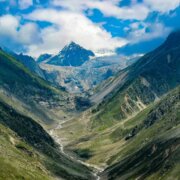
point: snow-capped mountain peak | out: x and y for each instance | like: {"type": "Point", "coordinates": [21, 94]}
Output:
{"type": "Point", "coordinates": [71, 55]}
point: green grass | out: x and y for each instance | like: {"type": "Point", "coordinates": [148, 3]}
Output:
{"type": "Point", "coordinates": [36, 96]}
{"type": "Point", "coordinates": [9, 67]}
{"type": "Point", "coordinates": [128, 126]}
{"type": "Point", "coordinates": [18, 163]}
{"type": "Point", "coordinates": [148, 79]}
{"type": "Point", "coordinates": [153, 151]}
{"type": "Point", "coordinates": [110, 145]}
{"type": "Point", "coordinates": [34, 136]}
{"type": "Point", "coordinates": [83, 153]}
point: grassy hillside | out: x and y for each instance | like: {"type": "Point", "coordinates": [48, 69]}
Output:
{"type": "Point", "coordinates": [145, 145]}
{"type": "Point", "coordinates": [35, 96]}
{"type": "Point", "coordinates": [26, 99]}
{"type": "Point", "coordinates": [152, 152]}
{"type": "Point", "coordinates": [27, 140]}
{"type": "Point", "coordinates": [140, 84]}
{"type": "Point", "coordinates": [26, 162]}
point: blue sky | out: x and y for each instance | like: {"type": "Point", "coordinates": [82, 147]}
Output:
{"type": "Point", "coordinates": [128, 26]}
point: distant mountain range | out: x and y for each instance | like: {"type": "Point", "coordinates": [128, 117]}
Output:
{"type": "Point", "coordinates": [87, 76]}
{"type": "Point", "coordinates": [74, 68]}
{"type": "Point", "coordinates": [78, 69]}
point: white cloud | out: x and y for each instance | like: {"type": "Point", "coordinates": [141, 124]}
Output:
{"type": "Point", "coordinates": [29, 33]}
{"type": "Point", "coordinates": [108, 8]}
{"type": "Point", "coordinates": [130, 12]}
{"type": "Point", "coordinates": [8, 25]}
{"type": "Point", "coordinates": [71, 26]}
{"type": "Point", "coordinates": [69, 23]}
{"type": "Point", "coordinates": [138, 11]}
{"type": "Point", "coordinates": [24, 4]}
{"type": "Point", "coordinates": [135, 25]}
{"type": "Point", "coordinates": [13, 34]}
{"type": "Point", "coordinates": [148, 32]}
{"type": "Point", "coordinates": [162, 6]}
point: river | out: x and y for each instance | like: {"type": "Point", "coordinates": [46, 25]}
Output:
{"type": "Point", "coordinates": [58, 140]}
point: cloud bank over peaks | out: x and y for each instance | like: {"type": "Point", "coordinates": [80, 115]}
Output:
{"type": "Point", "coordinates": [46, 26]}
{"type": "Point", "coordinates": [71, 26]}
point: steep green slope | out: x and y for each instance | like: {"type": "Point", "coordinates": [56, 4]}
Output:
{"type": "Point", "coordinates": [26, 99]}
{"type": "Point", "coordinates": [34, 94]}
{"type": "Point", "coordinates": [140, 84]}
{"type": "Point", "coordinates": [152, 152]}
{"type": "Point", "coordinates": [36, 147]}
{"type": "Point", "coordinates": [27, 61]}
{"type": "Point", "coordinates": [18, 160]}
{"type": "Point", "coordinates": [31, 64]}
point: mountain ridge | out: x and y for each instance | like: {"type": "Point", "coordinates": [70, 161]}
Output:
{"type": "Point", "coordinates": [143, 82]}
{"type": "Point", "coordinates": [71, 55]}
{"type": "Point", "coordinates": [27, 61]}
{"type": "Point", "coordinates": [159, 152]}
{"type": "Point", "coordinates": [33, 93]}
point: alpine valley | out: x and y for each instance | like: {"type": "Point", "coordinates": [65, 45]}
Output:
{"type": "Point", "coordinates": [83, 115]}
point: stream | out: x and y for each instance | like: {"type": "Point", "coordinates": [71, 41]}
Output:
{"type": "Point", "coordinates": [58, 140]}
